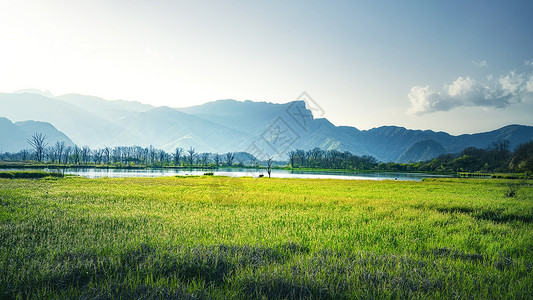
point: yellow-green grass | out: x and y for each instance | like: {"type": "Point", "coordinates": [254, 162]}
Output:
{"type": "Point", "coordinates": [221, 237]}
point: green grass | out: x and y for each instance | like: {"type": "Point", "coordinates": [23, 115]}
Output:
{"type": "Point", "coordinates": [261, 238]}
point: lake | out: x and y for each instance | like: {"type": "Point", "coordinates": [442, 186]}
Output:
{"type": "Point", "coordinates": [242, 172]}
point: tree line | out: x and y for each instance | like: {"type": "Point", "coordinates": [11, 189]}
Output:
{"type": "Point", "coordinates": [329, 159]}
{"type": "Point", "coordinates": [60, 153]}
{"type": "Point", "coordinates": [497, 157]}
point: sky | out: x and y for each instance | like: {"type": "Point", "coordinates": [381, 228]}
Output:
{"type": "Point", "coordinates": [454, 66]}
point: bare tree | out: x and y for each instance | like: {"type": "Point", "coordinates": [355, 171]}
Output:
{"type": "Point", "coordinates": [117, 154]}
{"type": "Point", "coordinates": [229, 158]}
{"type": "Point", "coordinates": [38, 142]}
{"type": "Point", "coordinates": [50, 153]}
{"type": "Point", "coordinates": [76, 154]}
{"type": "Point", "coordinates": [59, 148]}
{"type": "Point", "coordinates": [152, 154]}
{"type": "Point", "coordinates": [66, 154]}
{"type": "Point", "coordinates": [191, 152]}
{"type": "Point", "coordinates": [106, 154]}
{"type": "Point", "coordinates": [138, 153]}
{"type": "Point", "coordinates": [269, 164]}
{"type": "Point", "coordinates": [126, 155]}
{"type": "Point", "coordinates": [98, 155]}
{"type": "Point", "coordinates": [85, 154]}
{"type": "Point", "coordinates": [145, 154]}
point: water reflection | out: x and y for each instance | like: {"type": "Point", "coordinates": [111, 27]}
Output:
{"type": "Point", "coordinates": [241, 172]}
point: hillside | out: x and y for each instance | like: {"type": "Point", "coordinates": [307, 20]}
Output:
{"type": "Point", "coordinates": [422, 151]}
{"type": "Point", "coordinates": [14, 136]}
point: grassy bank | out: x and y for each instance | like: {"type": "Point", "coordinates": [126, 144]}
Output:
{"type": "Point", "coordinates": [28, 174]}
{"type": "Point", "coordinates": [219, 237]}
{"type": "Point", "coordinates": [495, 175]}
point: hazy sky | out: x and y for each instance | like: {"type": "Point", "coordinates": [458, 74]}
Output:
{"type": "Point", "coordinates": [458, 66]}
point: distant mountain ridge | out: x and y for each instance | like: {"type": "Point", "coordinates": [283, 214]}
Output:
{"type": "Point", "coordinates": [260, 128]}
{"type": "Point", "coordinates": [14, 136]}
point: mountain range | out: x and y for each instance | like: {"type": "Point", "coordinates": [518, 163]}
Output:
{"type": "Point", "coordinates": [260, 128]}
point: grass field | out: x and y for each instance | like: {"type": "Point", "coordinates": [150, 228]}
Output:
{"type": "Point", "coordinates": [221, 237]}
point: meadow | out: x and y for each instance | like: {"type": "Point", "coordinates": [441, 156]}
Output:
{"type": "Point", "coordinates": [265, 238]}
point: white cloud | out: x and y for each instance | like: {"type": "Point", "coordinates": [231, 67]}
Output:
{"type": "Point", "coordinates": [481, 63]}
{"type": "Point", "coordinates": [529, 85]}
{"type": "Point", "coordinates": [513, 82]}
{"type": "Point", "coordinates": [500, 92]}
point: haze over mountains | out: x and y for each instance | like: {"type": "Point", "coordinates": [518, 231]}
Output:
{"type": "Point", "coordinates": [260, 128]}
{"type": "Point", "coordinates": [14, 136]}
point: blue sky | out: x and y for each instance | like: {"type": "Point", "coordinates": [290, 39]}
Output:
{"type": "Point", "coordinates": [456, 66]}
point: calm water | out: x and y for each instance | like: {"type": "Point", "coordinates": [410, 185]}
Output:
{"type": "Point", "coordinates": [237, 172]}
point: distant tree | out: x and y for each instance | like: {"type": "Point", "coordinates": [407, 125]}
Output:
{"type": "Point", "coordinates": [138, 154]}
{"type": "Point", "coordinates": [24, 154]}
{"type": "Point", "coordinates": [59, 148]}
{"type": "Point", "coordinates": [191, 152]}
{"type": "Point", "coordinates": [522, 160]}
{"type": "Point", "coordinates": [229, 158]}
{"type": "Point", "coordinates": [51, 154]}
{"type": "Point", "coordinates": [336, 158]}
{"type": "Point", "coordinates": [117, 154]}
{"type": "Point", "coordinates": [205, 158]}
{"type": "Point", "coordinates": [466, 163]}
{"type": "Point", "coordinates": [177, 155]}
{"type": "Point", "coordinates": [499, 154]}
{"type": "Point", "coordinates": [76, 154]}
{"type": "Point", "coordinates": [145, 155]}
{"type": "Point", "coordinates": [98, 155]}
{"type": "Point", "coordinates": [152, 154]}
{"type": "Point", "coordinates": [85, 154]}
{"type": "Point", "coordinates": [292, 157]}
{"type": "Point", "coordinates": [163, 157]}
{"type": "Point", "coordinates": [127, 154]}
{"type": "Point", "coordinates": [253, 161]}
{"type": "Point", "coordinates": [216, 158]}
{"type": "Point", "coordinates": [368, 162]}
{"type": "Point", "coordinates": [300, 156]}
{"type": "Point", "coordinates": [500, 147]}
{"type": "Point", "coordinates": [315, 155]}
{"type": "Point", "coordinates": [106, 153]}
{"type": "Point", "coordinates": [66, 154]}
{"type": "Point", "coordinates": [38, 142]}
